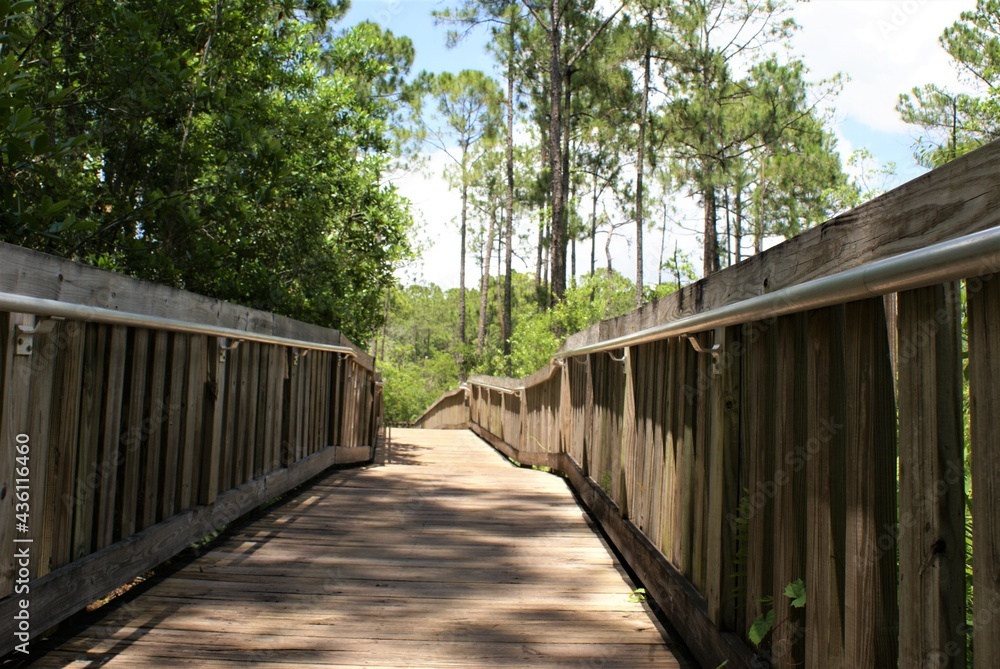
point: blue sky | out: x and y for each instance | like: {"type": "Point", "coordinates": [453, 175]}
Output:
{"type": "Point", "coordinates": [884, 47]}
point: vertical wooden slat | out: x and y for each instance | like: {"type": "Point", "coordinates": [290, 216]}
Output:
{"type": "Point", "coordinates": [111, 436]}
{"type": "Point", "coordinates": [759, 436]}
{"type": "Point", "coordinates": [90, 425]}
{"type": "Point", "coordinates": [626, 460]}
{"type": "Point", "coordinates": [789, 486]}
{"type": "Point", "coordinates": [135, 432]}
{"type": "Point", "coordinates": [193, 422]}
{"type": "Point", "coordinates": [870, 613]}
{"type": "Point", "coordinates": [158, 415]}
{"type": "Point", "coordinates": [278, 454]}
{"type": "Point", "coordinates": [62, 458]}
{"type": "Point", "coordinates": [984, 394]}
{"type": "Point", "coordinates": [15, 416]}
{"type": "Point", "coordinates": [250, 405]}
{"type": "Point", "coordinates": [724, 472]}
{"type": "Point", "coordinates": [39, 430]}
{"type": "Point", "coordinates": [214, 419]}
{"type": "Point", "coordinates": [175, 424]}
{"type": "Point", "coordinates": [825, 490]}
{"type": "Point", "coordinates": [702, 390]}
{"type": "Point", "coordinates": [265, 416]}
{"type": "Point", "coordinates": [241, 437]}
{"type": "Point", "coordinates": [931, 487]}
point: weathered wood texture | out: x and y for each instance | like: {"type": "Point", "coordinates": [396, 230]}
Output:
{"type": "Point", "coordinates": [132, 429]}
{"type": "Point", "coordinates": [781, 456]}
{"type": "Point", "coordinates": [445, 557]}
{"type": "Point", "coordinates": [450, 411]}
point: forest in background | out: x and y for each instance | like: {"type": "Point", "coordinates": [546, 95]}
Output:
{"type": "Point", "coordinates": [603, 117]}
{"type": "Point", "coordinates": [246, 149]}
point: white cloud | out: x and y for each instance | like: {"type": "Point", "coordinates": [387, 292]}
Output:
{"type": "Point", "coordinates": [886, 48]}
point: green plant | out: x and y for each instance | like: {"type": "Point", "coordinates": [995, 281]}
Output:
{"type": "Point", "coordinates": [764, 624]}
{"type": "Point", "coordinates": [638, 595]}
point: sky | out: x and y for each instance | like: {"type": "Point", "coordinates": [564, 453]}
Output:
{"type": "Point", "coordinates": [884, 47]}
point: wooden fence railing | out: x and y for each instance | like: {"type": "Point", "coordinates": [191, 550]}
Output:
{"type": "Point", "coordinates": [449, 412]}
{"type": "Point", "coordinates": [146, 418]}
{"type": "Point", "coordinates": [800, 416]}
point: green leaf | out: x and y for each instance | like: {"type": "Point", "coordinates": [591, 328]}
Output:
{"type": "Point", "coordinates": [796, 591]}
{"type": "Point", "coordinates": [638, 595]}
{"type": "Point", "coordinates": [761, 627]}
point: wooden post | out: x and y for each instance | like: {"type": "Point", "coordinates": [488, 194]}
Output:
{"type": "Point", "coordinates": [15, 414]}
{"type": "Point", "coordinates": [984, 393]}
{"type": "Point", "coordinates": [870, 608]}
{"type": "Point", "coordinates": [931, 480]}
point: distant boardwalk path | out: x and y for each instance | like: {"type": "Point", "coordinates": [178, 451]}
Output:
{"type": "Point", "coordinates": [446, 557]}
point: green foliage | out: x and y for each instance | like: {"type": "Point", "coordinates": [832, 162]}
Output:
{"type": "Point", "coordinates": [765, 623]}
{"type": "Point", "coordinates": [234, 149]}
{"type": "Point", "coordinates": [953, 124]}
{"type": "Point", "coordinates": [638, 595]}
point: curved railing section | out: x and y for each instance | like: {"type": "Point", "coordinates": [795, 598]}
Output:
{"type": "Point", "coordinates": [137, 419]}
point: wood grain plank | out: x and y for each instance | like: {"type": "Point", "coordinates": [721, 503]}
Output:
{"type": "Point", "coordinates": [135, 431]}
{"type": "Point", "coordinates": [825, 505]}
{"type": "Point", "coordinates": [931, 480]}
{"type": "Point", "coordinates": [870, 606]}
{"type": "Point", "coordinates": [159, 415]}
{"type": "Point", "coordinates": [984, 395]}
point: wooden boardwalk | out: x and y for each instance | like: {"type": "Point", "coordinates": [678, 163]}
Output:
{"type": "Point", "coordinates": [448, 556]}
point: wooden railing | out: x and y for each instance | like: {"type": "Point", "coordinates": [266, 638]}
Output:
{"type": "Point", "coordinates": [145, 419]}
{"type": "Point", "coordinates": [449, 412]}
{"type": "Point", "coordinates": [800, 417]}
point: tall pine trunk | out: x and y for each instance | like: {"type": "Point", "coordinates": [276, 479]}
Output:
{"type": "Point", "coordinates": [711, 242]}
{"type": "Point", "coordinates": [557, 241]}
{"type": "Point", "coordinates": [509, 213]}
{"type": "Point", "coordinates": [484, 284]}
{"type": "Point", "coordinates": [640, 160]}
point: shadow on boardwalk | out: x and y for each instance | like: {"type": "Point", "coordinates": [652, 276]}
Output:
{"type": "Point", "coordinates": [447, 556]}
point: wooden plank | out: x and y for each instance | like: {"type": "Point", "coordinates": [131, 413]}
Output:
{"type": "Point", "coordinates": [87, 469]}
{"type": "Point", "coordinates": [159, 415]}
{"type": "Point", "coordinates": [242, 410]}
{"type": "Point", "coordinates": [135, 431]}
{"type": "Point", "coordinates": [35, 274]}
{"type": "Point", "coordinates": [984, 395]}
{"type": "Point", "coordinates": [58, 518]}
{"type": "Point", "coordinates": [110, 454]}
{"type": "Point", "coordinates": [825, 506]}
{"type": "Point", "coordinates": [931, 479]}
{"type": "Point", "coordinates": [759, 436]}
{"type": "Point", "coordinates": [39, 432]}
{"type": "Point", "coordinates": [251, 403]}
{"type": "Point", "coordinates": [175, 424]}
{"type": "Point", "coordinates": [16, 416]}
{"type": "Point", "coordinates": [194, 417]}
{"type": "Point", "coordinates": [723, 503]}
{"type": "Point", "coordinates": [787, 643]}
{"type": "Point", "coordinates": [959, 198]}
{"type": "Point", "coordinates": [870, 605]}
{"type": "Point", "coordinates": [228, 468]}
{"type": "Point", "coordinates": [214, 422]}
{"type": "Point", "coordinates": [626, 462]}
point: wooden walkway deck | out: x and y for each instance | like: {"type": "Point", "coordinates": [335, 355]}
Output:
{"type": "Point", "coordinates": [448, 556]}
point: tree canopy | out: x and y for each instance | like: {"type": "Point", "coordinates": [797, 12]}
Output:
{"type": "Point", "coordinates": [236, 149]}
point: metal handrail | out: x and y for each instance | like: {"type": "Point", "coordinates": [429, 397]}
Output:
{"type": "Point", "coordinates": [972, 255]}
{"type": "Point", "coordinates": [39, 306]}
